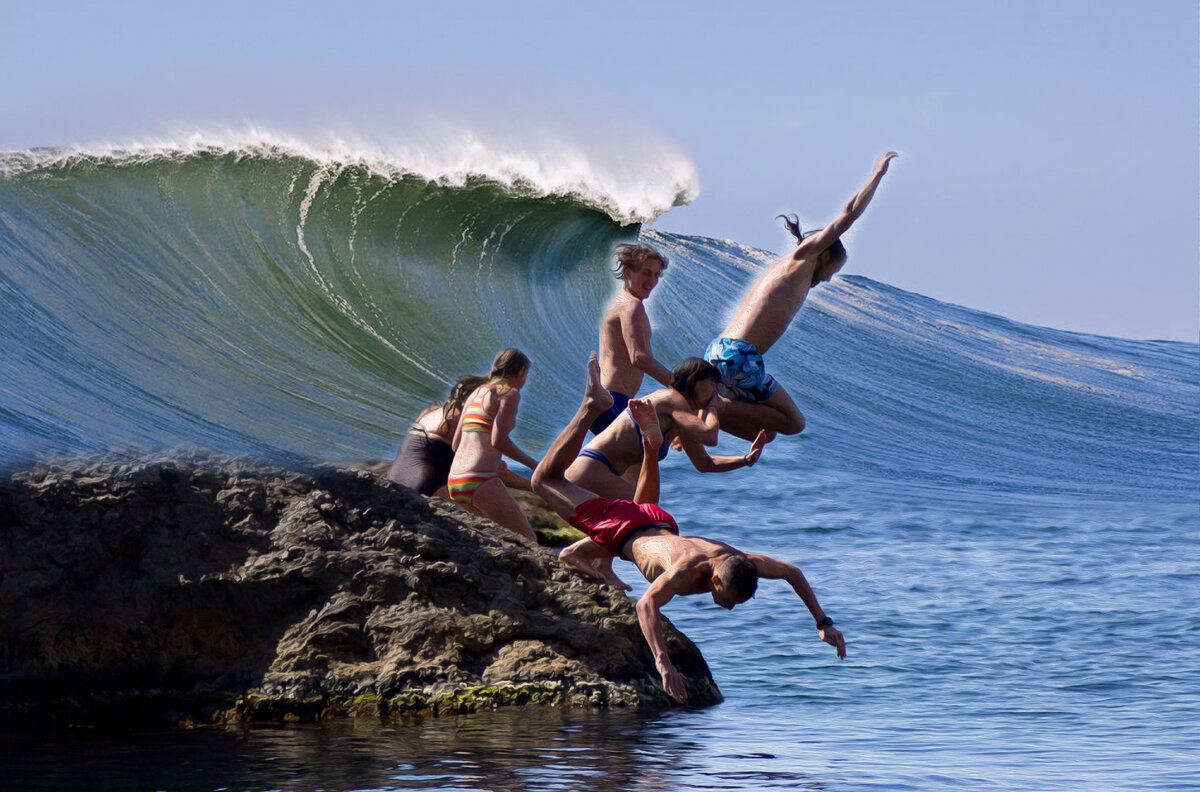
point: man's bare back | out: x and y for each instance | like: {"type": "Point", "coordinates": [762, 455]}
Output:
{"type": "Point", "coordinates": [656, 550]}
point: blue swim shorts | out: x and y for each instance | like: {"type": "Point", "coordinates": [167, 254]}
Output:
{"type": "Point", "coordinates": [608, 416]}
{"type": "Point", "coordinates": [744, 377]}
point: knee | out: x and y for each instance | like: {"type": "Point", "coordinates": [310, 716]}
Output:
{"type": "Point", "coordinates": [538, 481]}
{"type": "Point", "coordinates": [794, 425]}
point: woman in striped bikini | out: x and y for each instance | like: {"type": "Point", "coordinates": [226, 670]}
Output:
{"type": "Point", "coordinates": [482, 438]}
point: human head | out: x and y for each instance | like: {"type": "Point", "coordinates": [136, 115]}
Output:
{"type": "Point", "coordinates": [688, 375]}
{"type": "Point", "coordinates": [734, 581]}
{"type": "Point", "coordinates": [633, 256]}
{"type": "Point", "coordinates": [508, 364]}
{"type": "Point", "coordinates": [832, 259]}
{"type": "Point", "coordinates": [462, 389]}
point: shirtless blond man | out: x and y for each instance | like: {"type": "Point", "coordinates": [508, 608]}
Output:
{"type": "Point", "coordinates": [753, 399]}
{"type": "Point", "coordinates": [640, 531]}
{"type": "Point", "coordinates": [625, 353]}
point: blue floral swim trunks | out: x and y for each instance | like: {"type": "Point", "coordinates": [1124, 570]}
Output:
{"type": "Point", "coordinates": [744, 377]}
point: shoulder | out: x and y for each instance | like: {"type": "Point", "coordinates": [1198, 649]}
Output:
{"type": "Point", "coordinates": [629, 306]}
{"type": "Point", "coordinates": [669, 400]}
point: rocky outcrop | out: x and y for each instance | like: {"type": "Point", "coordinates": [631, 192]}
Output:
{"type": "Point", "coordinates": [223, 590]}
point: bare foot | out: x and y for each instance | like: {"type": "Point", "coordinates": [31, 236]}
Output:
{"type": "Point", "coordinates": [600, 570]}
{"type": "Point", "coordinates": [610, 577]}
{"type": "Point", "coordinates": [647, 420]}
{"type": "Point", "coordinates": [570, 559]}
{"type": "Point", "coordinates": [596, 398]}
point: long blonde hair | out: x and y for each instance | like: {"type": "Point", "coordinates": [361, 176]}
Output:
{"type": "Point", "coordinates": [507, 364]}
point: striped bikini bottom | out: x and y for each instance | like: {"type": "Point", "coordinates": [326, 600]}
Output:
{"type": "Point", "coordinates": [462, 486]}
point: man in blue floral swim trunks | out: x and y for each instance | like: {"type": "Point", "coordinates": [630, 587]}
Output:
{"type": "Point", "coordinates": [752, 399]}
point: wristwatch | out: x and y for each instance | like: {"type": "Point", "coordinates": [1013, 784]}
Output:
{"type": "Point", "coordinates": [824, 622]}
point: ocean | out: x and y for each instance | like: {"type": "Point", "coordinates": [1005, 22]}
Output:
{"type": "Point", "coordinates": [1003, 519]}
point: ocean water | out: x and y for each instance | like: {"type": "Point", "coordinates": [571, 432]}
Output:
{"type": "Point", "coordinates": [1003, 519]}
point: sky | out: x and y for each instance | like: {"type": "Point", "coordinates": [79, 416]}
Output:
{"type": "Point", "coordinates": [1049, 166]}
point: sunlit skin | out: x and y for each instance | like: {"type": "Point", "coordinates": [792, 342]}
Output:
{"type": "Point", "coordinates": [674, 565]}
{"type": "Point", "coordinates": [688, 421]}
{"type": "Point", "coordinates": [772, 301]}
{"type": "Point", "coordinates": [479, 451]}
{"type": "Point", "coordinates": [641, 280]}
{"type": "Point", "coordinates": [625, 353]}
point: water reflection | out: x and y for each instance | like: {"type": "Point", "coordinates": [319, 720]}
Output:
{"type": "Point", "coordinates": [507, 750]}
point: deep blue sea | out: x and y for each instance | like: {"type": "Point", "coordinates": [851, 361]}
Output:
{"type": "Point", "coordinates": [1003, 519]}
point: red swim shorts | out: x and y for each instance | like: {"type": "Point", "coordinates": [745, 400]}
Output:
{"type": "Point", "coordinates": [609, 522]}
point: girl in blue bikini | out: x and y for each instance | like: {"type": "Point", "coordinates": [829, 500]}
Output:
{"type": "Point", "coordinates": [686, 412]}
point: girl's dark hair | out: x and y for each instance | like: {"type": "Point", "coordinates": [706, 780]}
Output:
{"type": "Point", "coordinates": [690, 372]}
{"type": "Point", "coordinates": [633, 256]}
{"type": "Point", "coordinates": [463, 387]}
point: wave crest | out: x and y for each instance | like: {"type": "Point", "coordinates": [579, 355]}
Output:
{"type": "Point", "coordinates": [633, 183]}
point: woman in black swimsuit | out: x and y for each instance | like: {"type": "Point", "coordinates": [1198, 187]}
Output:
{"type": "Point", "coordinates": [423, 461]}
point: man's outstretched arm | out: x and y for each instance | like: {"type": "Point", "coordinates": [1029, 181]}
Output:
{"type": "Point", "coordinates": [774, 569]}
{"type": "Point", "coordinates": [854, 208]}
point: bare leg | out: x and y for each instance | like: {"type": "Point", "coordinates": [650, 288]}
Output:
{"type": "Point", "coordinates": [493, 500]}
{"type": "Point", "coordinates": [514, 480]}
{"type": "Point", "coordinates": [549, 480]}
{"type": "Point", "coordinates": [594, 476]}
{"type": "Point", "coordinates": [646, 417]}
{"type": "Point", "coordinates": [777, 415]}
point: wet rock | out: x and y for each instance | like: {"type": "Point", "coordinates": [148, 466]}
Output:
{"type": "Point", "coordinates": [205, 589]}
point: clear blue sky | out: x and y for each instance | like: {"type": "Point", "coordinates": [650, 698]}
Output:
{"type": "Point", "coordinates": [1050, 150]}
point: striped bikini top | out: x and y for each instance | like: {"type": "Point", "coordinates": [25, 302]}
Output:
{"type": "Point", "coordinates": [476, 419]}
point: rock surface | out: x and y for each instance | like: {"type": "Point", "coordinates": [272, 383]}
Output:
{"type": "Point", "coordinates": [221, 590]}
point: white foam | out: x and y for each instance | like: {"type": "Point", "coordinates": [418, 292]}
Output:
{"type": "Point", "coordinates": [632, 180]}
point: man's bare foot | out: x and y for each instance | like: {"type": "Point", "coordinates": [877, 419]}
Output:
{"type": "Point", "coordinates": [604, 565]}
{"type": "Point", "coordinates": [605, 573]}
{"type": "Point", "coordinates": [596, 398]}
{"type": "Point", "coordinates": [647, 420]}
